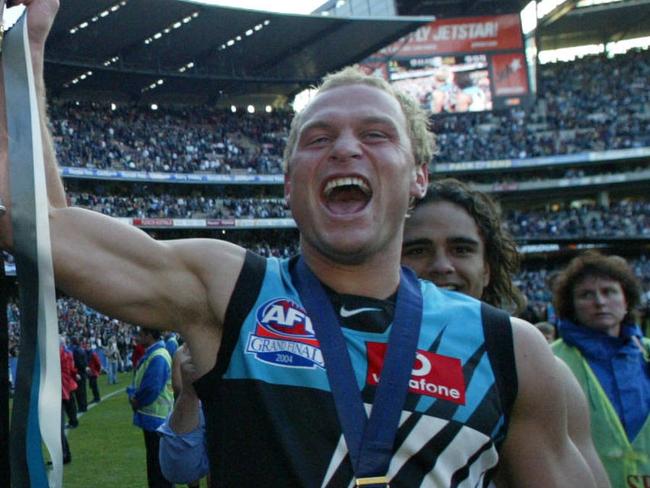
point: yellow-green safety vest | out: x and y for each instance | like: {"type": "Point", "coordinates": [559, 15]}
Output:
{"type": "Point", "coordinates": [627, 463]}
{"type": "Point", "coordinates": [162, 405]}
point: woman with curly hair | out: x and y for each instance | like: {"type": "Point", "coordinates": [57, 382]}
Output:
{"type": "Point", "coordinates": [595, 298]}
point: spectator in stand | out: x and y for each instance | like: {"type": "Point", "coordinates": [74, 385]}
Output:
{"type": "Point", "coordinates": [94, 370]}
{"type": "Point", "coordinates": [151, 398]}
{"type": "Point", "coordinates": [595, 297]}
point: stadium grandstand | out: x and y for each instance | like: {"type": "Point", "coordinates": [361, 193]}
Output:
{"type": "Point", "coordinates": [175, 120]}
{"type": "Point", "coordinates": [179, 126]}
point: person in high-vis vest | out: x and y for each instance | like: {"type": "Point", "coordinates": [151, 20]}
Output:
{"type": "Point", "coordinates": [595, 297]}
{"type": "Point", "coordinates": [151, 398]}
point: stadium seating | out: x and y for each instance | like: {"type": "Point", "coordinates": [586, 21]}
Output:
{"type": "Point", "coordinates": [593, 104]}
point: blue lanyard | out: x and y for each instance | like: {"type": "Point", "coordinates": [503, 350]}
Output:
{"type": "Point", "coordinates": [369, 441]}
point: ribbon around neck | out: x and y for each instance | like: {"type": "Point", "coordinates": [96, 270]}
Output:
{"type": "Point", "coordinates": [36, 414]}
{"type": "Point", "coordinates": [369, 440]}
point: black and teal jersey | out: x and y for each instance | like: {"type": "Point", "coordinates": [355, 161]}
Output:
{"type": "Point", "coordinates": [271, 418]}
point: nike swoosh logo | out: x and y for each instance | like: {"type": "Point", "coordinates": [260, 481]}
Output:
{"type": "Point", "coordinates": [345, 313]}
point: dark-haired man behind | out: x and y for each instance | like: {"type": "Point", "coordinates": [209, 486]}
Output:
{"type": "Point", "coordinates": [455, 238]}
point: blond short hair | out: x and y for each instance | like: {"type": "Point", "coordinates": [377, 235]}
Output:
{"type": "Point", "coordinates": [417, 120]}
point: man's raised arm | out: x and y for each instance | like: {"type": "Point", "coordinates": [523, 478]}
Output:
{"type": "Point", "coordinates": [115, 267]}
{"type": "Point", "coordinates": [40, 19]}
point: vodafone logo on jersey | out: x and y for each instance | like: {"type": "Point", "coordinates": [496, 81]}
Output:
{"type": "Point", "coordinates": [433, 374]}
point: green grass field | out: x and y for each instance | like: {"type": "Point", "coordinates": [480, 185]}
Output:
{"type": "Point", "coordinates": [107, 449]}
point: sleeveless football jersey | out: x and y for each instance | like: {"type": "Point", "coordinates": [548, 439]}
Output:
{"type": "Point", "coordinates": [271, 419]}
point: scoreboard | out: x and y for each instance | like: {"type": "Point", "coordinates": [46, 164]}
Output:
{"type": "Point", "coordinates": [466, 64]}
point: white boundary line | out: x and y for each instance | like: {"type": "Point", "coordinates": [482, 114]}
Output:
{"type": "Point", "coordinates": [93, 405]}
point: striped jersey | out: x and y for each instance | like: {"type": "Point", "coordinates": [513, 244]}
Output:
{"type": "Point", "coordinates": [271, 418]}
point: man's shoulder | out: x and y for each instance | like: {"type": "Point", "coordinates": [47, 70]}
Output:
{"type": "Point", "coordinates": [214, 261]}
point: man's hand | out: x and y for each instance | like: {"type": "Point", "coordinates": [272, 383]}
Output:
{"type": "Point", "coordinates": [134, 403]}
{"type": "Point", "coordinates": [187, 370]}
{"type": "Point", "coordinates": [41, 15]}
{"type": "Point", "coordinates": [185, 414]}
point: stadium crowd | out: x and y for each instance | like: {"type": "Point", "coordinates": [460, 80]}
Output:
{"type": "Point", "coordinates": [181, 206]}
{"type": "Point", "coordinates": [172, 140]}
{"type": "Point", "coordinates": [625, 218]}
{"type": "Point", "coordinates": [592, 104]}
{"type": "Point", "coordinates": [97, 330]}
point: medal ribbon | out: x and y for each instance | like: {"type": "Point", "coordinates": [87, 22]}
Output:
{"type": "Point", "coordinates": [369, 440]}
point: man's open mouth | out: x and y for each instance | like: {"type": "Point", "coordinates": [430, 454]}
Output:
{"type": "Point", "coordinates": [346, 195]}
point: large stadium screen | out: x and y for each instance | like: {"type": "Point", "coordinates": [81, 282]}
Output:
{"type": "Point", "coordinates": [459, 65]}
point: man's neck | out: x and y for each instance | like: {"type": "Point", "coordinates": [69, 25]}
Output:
{"type": "Point", "coordinates": [376, 278]}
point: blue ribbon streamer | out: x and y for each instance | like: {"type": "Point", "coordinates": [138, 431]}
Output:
{"type": "Point", "coordinates": [36, 414]}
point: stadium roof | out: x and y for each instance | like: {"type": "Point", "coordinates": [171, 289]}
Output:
{"type": "Point", "coordinates": [459, 8]}
{"type": "Point", "coordinates": [215, 54]}
{"type": "Point", "coordinates": [200, 52]}
{"type": "Point", "coordinates": [597, 24]}
{"type": "Point", "coordinates": [568, 25]}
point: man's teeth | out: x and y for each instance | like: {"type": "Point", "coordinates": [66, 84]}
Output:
{"type": "Point", "coordinates": [450, 287]}
{"type": "Point", "coordinates": [349, 181]}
